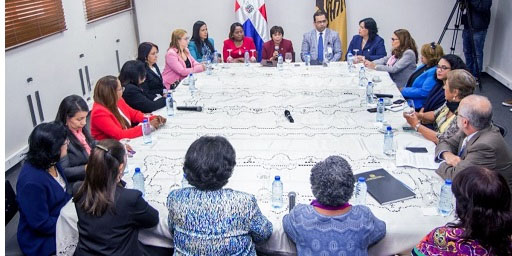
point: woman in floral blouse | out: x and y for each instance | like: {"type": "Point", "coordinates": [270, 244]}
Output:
{"type": "Point", "coordinates": [484, 225]}
{"type": "Point", "coordinates": [206, 219]}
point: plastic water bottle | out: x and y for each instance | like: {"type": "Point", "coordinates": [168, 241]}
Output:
{"type": "Point", "coordinates": [184, 182]}
{"type": "Point", "coordinates": [369, 93]}
{"type": "Point", "coordinates": [307, 59]}
{"type": "Point", "coordinates": [388, 142]}
{"type": "Point", "coordinates": [446, 198]}
{"type": "Point", "coordinates": [209, 67]}
{"type": "Point", "coordinates": [380, 110]}
{"type": "Point", "coordinates": [277, 193]}
{"type": "Point", "coordinates": [191, 82]}
{"type": "Point", "coordinates": [138, 181]}
{"type": "Point", "coordinates": [146, 131]}
{"type": "Point", "coordinates": [360, 191]}
{"type": "Point", "coordinates": [169, 103]}
{"type": "Point", "coordinates": [215, 59]}
{"type": "Point", "coordinates": [246, 58]}
{"type": "Point", "coordinates": [350, 62]}
{"type": "Point", "coordinates": [363, 81]}
{"type": "Point", "coordinates": [280, 62]}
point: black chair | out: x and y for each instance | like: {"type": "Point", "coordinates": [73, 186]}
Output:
{"type": "Point", "coordinates": [503, 130]}
{"type": "Point", "coordinates": [11, 205]}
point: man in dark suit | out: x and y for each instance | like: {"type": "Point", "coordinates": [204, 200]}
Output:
{"type": "Point", "coordinates": [476, 143]}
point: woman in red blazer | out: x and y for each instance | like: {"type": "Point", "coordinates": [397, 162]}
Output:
{"type": "Point", "coordinates": [111, 117]}
{"type": "Point", "coordinates": [237, 43]}
{"type": "Point", "coordinates": [178, 61]}
{"type": "Point", "coordinates": [283, 46]}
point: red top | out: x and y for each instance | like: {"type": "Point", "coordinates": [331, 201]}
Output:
{"type": "Point", "coordinates": [238, 52]}
{"type": "Point", "coordinates": [284, 47]}
{"type": "Point", "coordinates": [104, 124]}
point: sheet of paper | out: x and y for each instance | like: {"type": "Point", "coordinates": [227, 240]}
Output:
{"type": "Point", "coordinates": [418, 160]}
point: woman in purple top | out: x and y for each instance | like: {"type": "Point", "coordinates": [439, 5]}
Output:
{"type": "Point", "coordinates": [330, 225]}
{"type": "Point", "coordinates": [484, 225]}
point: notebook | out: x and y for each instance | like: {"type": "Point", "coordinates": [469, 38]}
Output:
{"type": "Point", "coordinates": [384, 187]}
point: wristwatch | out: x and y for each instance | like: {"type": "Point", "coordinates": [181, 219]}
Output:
{"type": "Point", "coordinates": [417, 126]}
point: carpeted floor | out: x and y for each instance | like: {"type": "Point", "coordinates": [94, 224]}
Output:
{"type": "Point", "coordinates": [497, 93]}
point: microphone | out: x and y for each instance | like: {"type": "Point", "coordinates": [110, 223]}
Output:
{"type": "Point", "coordinates": [291, 200]}
{"type": "Point", "coordinates": [288, 115]}
{"type": "Point", "coordinates": [190, 108]}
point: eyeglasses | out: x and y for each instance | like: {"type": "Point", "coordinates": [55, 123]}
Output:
{"type": "Point", "coordinates": [185, 38]}
{"type": "Point", "coordinates": [443, 67]}
{"type": "Point", "coordinates": [394, 39]}
{"type": "Point", "coordinates": [120, 89]}
{"type": "Point", "coordinates": [321, 21]}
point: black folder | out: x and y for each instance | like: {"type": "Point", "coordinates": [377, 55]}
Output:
{"type": "Point", "coordinates": [384, 187]}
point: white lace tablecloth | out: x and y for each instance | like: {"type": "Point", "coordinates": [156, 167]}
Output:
{"type": "Point", "coordinates": [246, 105]}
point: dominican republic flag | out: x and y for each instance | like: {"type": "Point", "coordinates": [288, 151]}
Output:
{"type": "Point", "coordinates": [253, 16]}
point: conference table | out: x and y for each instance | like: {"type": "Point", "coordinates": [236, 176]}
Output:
{"type": "Point", "coordinates": [246, 104]}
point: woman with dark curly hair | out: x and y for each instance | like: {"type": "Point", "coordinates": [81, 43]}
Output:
{"type": "Point", "coordinates": [206, 219]}
{"type": "Point", "coordinates": [484, 225]}
{"type": "Point", "coordinates": [41, 189]}
{"type": "Point", "coordinates": [330, 217]}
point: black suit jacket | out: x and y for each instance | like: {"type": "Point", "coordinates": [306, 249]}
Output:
{"type": "Point", "coordinates": [136, 98]}
{"type": "Point", "coordinates": [73, 164]}
{"type": "Point", "coordinates": [115, 232]}
{"type": "Point", "coordinates": [153, 85]}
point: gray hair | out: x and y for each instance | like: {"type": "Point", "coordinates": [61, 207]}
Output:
{"type": "Point", "coordinates": [478, 110]}
{"type": "Point", "coordinates": [332, 181]}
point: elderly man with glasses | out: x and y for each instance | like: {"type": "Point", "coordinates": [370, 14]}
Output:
{"type": "Point", "coordinates": [478, 142]}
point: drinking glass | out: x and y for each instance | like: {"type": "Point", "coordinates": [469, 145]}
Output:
{"type": "Point", "coordinates": [355, 55]}
{"type": "Point", "coordinates": [253, 59]}
{"type": "Point", "coordinates": [409, 109]}
{"type": "Point", "coordinates": [229, 59]}
{"type": "Point", "coordinates": [288, 57]}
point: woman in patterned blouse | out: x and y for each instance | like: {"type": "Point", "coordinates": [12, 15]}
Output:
{"type": "Point", "coordinates": [485, 219]}
{"type": "Point", "coordinates": [206, 219]}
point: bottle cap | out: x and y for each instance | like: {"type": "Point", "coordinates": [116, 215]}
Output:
{"type": "Point", "coordinates": [362, 179]}
{"type": "Point", "coordinates": [381, 100]}
{"type": "Point", "coordinates": [145, 120]}
{"type": "Point", "coordinates": [389, 129]}
{"type": "Point", "coordinates": [277, 177]}
{"type": "Point", "coordinates": [362, 68]}
{"type": "Point", "coordinates": [448, 182]}
{"type": "Point", "coordinates": [137, 170]}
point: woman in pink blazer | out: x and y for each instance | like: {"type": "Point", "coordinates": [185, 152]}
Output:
{"type": "Point", "coordinates": [178, 61]}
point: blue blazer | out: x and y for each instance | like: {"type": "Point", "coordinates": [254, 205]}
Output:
{"type": "Point", "coordinates": [197, 54]}
{"type": "Point", "coordinates": [40, 198]}
{"type": "Point", "coordinates": [373, 50]}
{"type": "Point", "coordinates": [421, 87]}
